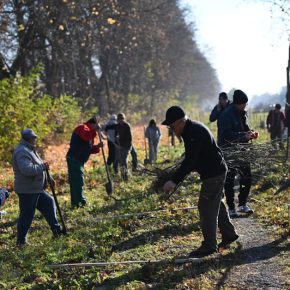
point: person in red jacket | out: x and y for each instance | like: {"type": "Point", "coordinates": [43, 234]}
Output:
{"type": "Point", "coordinates": [275, 125]}
{"type": "Point", "coordinates": [81, 147]}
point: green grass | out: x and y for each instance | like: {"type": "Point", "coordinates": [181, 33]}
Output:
{"type": "Point", "coordinates": [164, 236]}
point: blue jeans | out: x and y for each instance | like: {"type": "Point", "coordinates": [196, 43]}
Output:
{"type": "Point", "coordinates": [28, 202]}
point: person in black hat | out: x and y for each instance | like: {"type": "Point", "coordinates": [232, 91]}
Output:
{"type": "Point", "coordinates": [203, 156]}
{"type": "Point", "coordinates": [223, 103]}
{"type": "Point", "coordinates": [233, 128]}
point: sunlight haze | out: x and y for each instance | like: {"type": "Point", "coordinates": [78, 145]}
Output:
{"type": "Point", "coordinates": [245, 42]}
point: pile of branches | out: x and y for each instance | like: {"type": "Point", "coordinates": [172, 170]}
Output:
{"type": "Point", "coordinates": [259, 155]}
{"type": "Point", "coordinates": [162, 174]}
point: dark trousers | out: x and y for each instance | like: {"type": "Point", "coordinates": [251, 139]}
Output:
{"type": "Point", "coordinates": [28, 202]}
{"type": "Point", "coordinates": [134, 158]}
{"type": "Point", "coordinates": [245, 185]}
{"type": "Point", "coordinates": [213, 212]}
{"type": "Point", "coordinates": [276, 137]}
{"type": "Point", "coordinates": [111, 153]}
{"type": "Point", "coordinates": [76, 181]}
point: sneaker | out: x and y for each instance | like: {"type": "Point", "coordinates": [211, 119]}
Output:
{"type": "Point", "coordinates": [232, 213]}
{"type": "Point", "coordinates": [245, 209]}
{"type": "Point", "coordinates": [201, 252]}
{"type": "Point", "coordinates": [226, 242]}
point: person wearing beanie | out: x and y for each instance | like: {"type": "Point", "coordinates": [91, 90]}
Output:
{"type": "Point", "coordinates": [223, 103]}
{"type": "Point", "coordinates": [81, 147]}
{"type": "Point", "coordinates": [233, 128]}
{"type": "Point", "coordinates": [203, 156]}
{"type": "Point", "coordinates": [276, 122]}
{"type": "Point", "coordinates": [29, 183]}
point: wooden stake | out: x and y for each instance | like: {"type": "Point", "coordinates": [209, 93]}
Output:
{"type": "Point", "coordinates": [138, 214]}
{"type": "Point", "coordinates": [102, 264]}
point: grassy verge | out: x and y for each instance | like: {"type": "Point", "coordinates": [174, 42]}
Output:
{"type": "Point", "coordinates": [164, 236]}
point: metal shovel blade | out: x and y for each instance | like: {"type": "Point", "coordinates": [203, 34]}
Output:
{"type": "Point", "coordinates": [146, 161]}
{"type": "Point", "coordinates": [109, 187]}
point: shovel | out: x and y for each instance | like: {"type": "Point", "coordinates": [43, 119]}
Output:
{"type": "Point", "coordinates": [146, 160]}
{"type": "Point", "coordinates": [55, 200]}
{"type": "Point", "coordinates": [109, 185]}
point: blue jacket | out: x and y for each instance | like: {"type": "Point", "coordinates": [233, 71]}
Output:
{"type": "Point", "coordinates": [232, 126]}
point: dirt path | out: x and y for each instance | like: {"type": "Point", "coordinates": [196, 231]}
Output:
{"type": "Point", "coordinates": [258, 264]}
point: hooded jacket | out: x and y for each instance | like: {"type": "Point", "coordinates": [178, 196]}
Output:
{"type": "Point", "coordinates": [29, 170]}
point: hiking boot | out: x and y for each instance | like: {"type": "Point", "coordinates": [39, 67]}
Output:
{"type": "Point", "coordinates": [232, 213]}
{"type": "Point", "coordinates": [245, 209]}
{"type": "Point", "coordinates": [226, 242]}
{"type": "Point", "coordinates": [201, 252]}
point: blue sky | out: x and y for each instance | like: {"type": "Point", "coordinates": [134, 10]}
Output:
{"type": "Point", "coordinates": [245, 40]}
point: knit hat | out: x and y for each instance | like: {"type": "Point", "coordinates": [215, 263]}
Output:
{"type": "Point", "coordinates": [28, 134]}
{"type": "Point", "coordinates": [173, 113]}
{"type": "Point", "coordinates": [223, 95]}
{"type": "Point", "coordinates": [239, 97]}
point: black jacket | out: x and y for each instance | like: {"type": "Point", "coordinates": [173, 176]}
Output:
{"type": "Point", "coordinates": [215, 113]}
{"type": "Point", "coordinates": [122, 133]}
{"type": "Point", "coordinates": [201, 153]}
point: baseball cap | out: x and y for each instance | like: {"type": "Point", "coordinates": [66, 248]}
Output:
{"type": "Point", "coordinates": [173, 113]}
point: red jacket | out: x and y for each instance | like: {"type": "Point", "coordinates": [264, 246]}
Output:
{"type": "Point", "coordinates": [82, 143]}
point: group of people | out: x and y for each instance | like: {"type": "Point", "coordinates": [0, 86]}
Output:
{"type": "Point", "coordinates": [30, 171]}
{"type": "Point", "coordinates": [202, 154]}
{"type": "Point", "coordinates": [119, 137]}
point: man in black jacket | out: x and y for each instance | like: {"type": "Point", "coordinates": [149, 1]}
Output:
{"type": "Point", "coordinates": [203, 156]}
{"type": "Point", "coordinates": [223, 103]}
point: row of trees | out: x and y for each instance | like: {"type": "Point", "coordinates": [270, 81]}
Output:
{"type": "Point", "coordinates": [129, 55]}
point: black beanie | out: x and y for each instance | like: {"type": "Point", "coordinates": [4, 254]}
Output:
{"type": "Point", "coordinates": [223, 95]}
{"type": "Point", "coordinates": [239, 97]}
